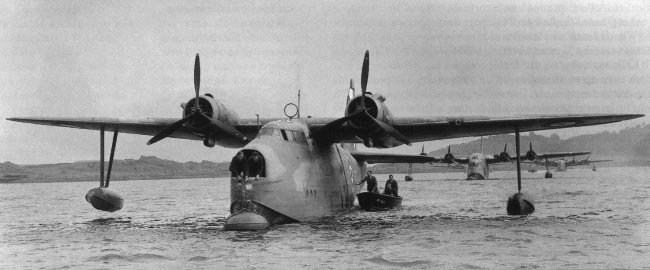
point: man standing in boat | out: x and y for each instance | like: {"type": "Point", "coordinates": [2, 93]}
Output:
{"type": "Point", "coordinates": [372, 183]}
{"type": "Point", "coordinates": [391, 186]}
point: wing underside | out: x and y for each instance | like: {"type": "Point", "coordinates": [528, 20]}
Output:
{"type": "Point", "coordinates": [373, 158]}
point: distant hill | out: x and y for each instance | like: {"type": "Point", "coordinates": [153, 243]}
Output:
{"type": "Point", "coordinates": [146, 167]}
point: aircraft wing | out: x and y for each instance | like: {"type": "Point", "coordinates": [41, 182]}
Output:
{"type": "Point", "coordinates": [372, 158]}
{"type": "Point", "coordinates": [540, 157]}
{"type": "Point", "coordinates": [416, 129]}
{"type": "Point", "coordinates": [561, 154]}
{"type": "Point", "coordinates": [147, 126]}
{"type": "Point", "coordinates": [600, 160]}
{"type": "Point", "coordinates": [426, 129]}
{"type": "Point", "coordinates": [419, 129]}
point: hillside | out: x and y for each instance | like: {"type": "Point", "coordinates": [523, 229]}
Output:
{"type": "Point", "coordinates": [146, 167]}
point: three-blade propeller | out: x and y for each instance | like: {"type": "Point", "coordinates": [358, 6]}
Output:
{"type": "Point", "coordinates": [197, 114]}
{"type": "Point", "coordinates": [362, 112]}
{"type": "Point", "coordinates": [169, 130]}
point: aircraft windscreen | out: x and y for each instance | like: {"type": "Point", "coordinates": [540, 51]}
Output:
{"type": "Point", "coordinates": [285, 134]}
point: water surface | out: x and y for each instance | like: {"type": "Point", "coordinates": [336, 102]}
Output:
{"type": "Point", "coordinates": [584, 219]}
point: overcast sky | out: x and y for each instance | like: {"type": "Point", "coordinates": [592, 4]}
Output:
{"type": "Point", "coordinates": [134, 59]}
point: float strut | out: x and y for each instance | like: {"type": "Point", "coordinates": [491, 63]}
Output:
{"type": "Point", "coordinates": [110, 159]}
{"type": "Point", "coordinates": [101, 157]}
{"type": "Point", "coordinates": [518, 159]}
{"type": "Point", "coordinates": [518, 204]}
{"type": "Point", "coordinates": [102, 198]}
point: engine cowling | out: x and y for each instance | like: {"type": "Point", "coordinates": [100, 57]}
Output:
{"type": "Point", "coordinates": [531, 155]}
{"type": "Point", "coordinates": [366, 128]}
{"type": "Point", "coordinates": [504, 156]}
{"type": "Point", "coordinates": [214, 110]}
{"type": "Point", "coordinates": [374, 106]}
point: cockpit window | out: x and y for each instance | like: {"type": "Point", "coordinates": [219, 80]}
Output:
{"type": "Point", "coordinates": [300, 137]}
{"type": "Point", "coordinates": [285, 134]}
{"type": "Point", "coordinates": [270, 132]}
{"type": "Point", "coordinates": [266, 131]}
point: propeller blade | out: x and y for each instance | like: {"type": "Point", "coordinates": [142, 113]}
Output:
{"type": "Point", "coordinates": [232, 131]}
{"type": "Point", "coordinates": [350, 92]}
{"type": "Point", "coordinates": [505, 148]}
{"type": "Point", "coordinates": [169, 130]}
{"type": "Point", "coordinates": [332, 126]}
{"type": "Point", "coordinates": [197, 80]}
{"type": "Point", "coordinates": [449, 149]}
{"type": "Point", "coordinates": [389, 129]}
{"type": "Point", "coordinates": [364, 77]}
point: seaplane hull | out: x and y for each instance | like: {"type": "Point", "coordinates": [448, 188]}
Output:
{"type": "Point", "coordinates": [302, 182]}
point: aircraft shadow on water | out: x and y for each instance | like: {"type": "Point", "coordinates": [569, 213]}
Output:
{"type": "Point", "coordinates": [311, 166]}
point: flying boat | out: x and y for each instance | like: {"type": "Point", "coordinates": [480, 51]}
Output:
{"type": "Point", "coordinates": [311, 167]}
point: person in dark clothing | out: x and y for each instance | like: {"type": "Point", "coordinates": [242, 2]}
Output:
{"type": "Point", "coordinates": [372, 182]}
{"type": "Point", "coordinates": [391, 186]}
{"type": "Point", "coordinates": [255, 165]}
{"type": "Point", "coordinates": [238, 165]}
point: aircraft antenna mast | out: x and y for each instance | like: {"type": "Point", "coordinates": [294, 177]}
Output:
{"type": "Point", "coordinates": [258, 125]}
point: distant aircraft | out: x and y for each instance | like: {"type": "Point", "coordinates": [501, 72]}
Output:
{"type": "Point", "coordinates": [310, 170]}
{"type": "Point", "coordinates": [562, 164]}
{"type": "Point", "coordinates": [478, 163]}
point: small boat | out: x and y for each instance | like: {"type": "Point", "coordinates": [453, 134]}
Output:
{"type": "Point", "coordinates": [378, 202]}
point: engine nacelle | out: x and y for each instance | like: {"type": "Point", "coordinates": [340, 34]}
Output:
{"type": "Point", "coordinates": [367, 129]}
{"type": "Point", "coordinates": [374, 106]}
{"type": "Point", "coordinates": [214, 110]}
{"type": "Point", "coordinates": [531, 155]}
{"type": "Point", "coordinates": [504, 156]}
{"type": "Point", "coordinates": [448, 158]}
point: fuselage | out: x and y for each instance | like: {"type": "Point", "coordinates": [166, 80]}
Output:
{"type": "Point", "coordinates": [477, 167]}
{"type": "Point", "coordinates": [301, 180]}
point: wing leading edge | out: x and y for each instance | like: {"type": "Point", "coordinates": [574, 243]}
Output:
{"type": "Point", "coordinates": [437, 129]}
{"type": "Point", "coordinates": [148, 126]}
{"type": "Point", "coordinates": [416, 129]}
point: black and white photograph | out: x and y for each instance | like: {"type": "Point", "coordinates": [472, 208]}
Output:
{"type": "Point", "coordinates": [324, 135]}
